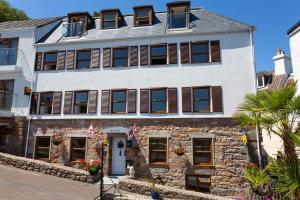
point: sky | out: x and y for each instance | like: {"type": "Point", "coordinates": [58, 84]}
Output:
{"type": "Point", "coordinates": [272, 18]}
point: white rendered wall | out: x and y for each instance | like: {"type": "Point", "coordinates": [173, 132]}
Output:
{"type": "Point", "coordinates": [271, 143]}
{"type": "Point", "coordinates": [236, 74]}
{"type": "Point", "coordinates": [295, 54]}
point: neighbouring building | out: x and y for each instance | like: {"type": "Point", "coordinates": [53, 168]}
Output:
{"type": "Point", "coordinates": [178, 76]}
{"type": "Point", "coordinates": [16, 74]}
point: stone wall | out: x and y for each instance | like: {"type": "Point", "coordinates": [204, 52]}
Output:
{"type": "Point", "coordinates": [13, 131]}
{"type": "Point", "coordinates": [46, 168]}
{"type": "Point", "coordinates": [229, 152]}
{"type": "Point", "coordinates": [144, 188]}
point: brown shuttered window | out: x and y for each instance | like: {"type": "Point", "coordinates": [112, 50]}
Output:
{"type": "Point", "coordinates": [131, 101]}
{"type": "Point", "coordinates": [70, 59]}
{"type": "Point", "coordinates": [61, 58]}
{"type": "Point", "coordinates": [144, 60]}
{"type": "Point", "coordinates": [105, 101]}
{"type": "Point", "coordinates": [144, 101]}
{"type": "Point", "coordinates": [134, 56]}
{"type": "Point", "coordinates": [172, 53]}
{"type": "Point", "coordinates": [215, 51]}
{"type": "Point", "coordinates": [106, 57]}
{"type": "Point", "coordinates": [92, 105]}
{"type": "Point", "coordinates": [34, 103]}
{"type": "Point", "coordinates": [172, 100]}
{"type": "Point", "coordinates": [185, 52]}
{"type": "Point", "coordinates": [38, 61]}
{"type": "Point", "coordinates": [57, 102]}
{"type": "Point", "coordinates": [186, 99]}
{"type": "Point", "coordinates": [95, 58]}
{"type": "Point", "coordinates": [217, 99]}
{"type": "Point", "coordinates": [68, 103]}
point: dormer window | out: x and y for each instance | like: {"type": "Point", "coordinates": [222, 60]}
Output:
{"type": "Point", "coordinates": [78, 23]}
{"type": "Point", "coordinates": [110, 19]}
{"type": "Point", "coordinates": [143, 15]}
{"type": "Point", "coordinates": [178, 15]}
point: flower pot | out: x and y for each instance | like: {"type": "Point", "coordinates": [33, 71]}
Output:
{"type": "Point", "coordinates": [179, 153]}
{"type": "Point", "coordinates": [155, 195]}
{"type": "Point", "coordinates": [93, 172]}
{"type": "Point", "coordinates": [56, 142]}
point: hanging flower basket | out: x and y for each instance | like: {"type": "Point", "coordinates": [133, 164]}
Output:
{"type": "Point", "coordinates": [57, 139]}
{"type": "Point", "coordinates": [180, 151]}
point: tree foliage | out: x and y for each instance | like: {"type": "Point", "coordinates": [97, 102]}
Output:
{"type": "Point", "coordinates": [9, 13]}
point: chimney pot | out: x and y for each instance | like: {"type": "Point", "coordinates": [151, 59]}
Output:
{"type": "Point", "coordinates": [279, 52]}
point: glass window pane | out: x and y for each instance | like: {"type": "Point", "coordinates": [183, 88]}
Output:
{"type": "Point", "coordinates": [142, 13]}
{"type": "Point", "coordinates": [43, 142]}
{"type": "Point", "coordinates": [158, 51]}
{"type": "Point", "coordinates": [119, 96]}
{"type": "Point", "coordinates": [109, 16]}
{"type": "Point", "coordinates": [81, 97]}
{"type": "Point", "coordinates": [109, 24]}
{"type": "Point", "coordinates": [158, 148]}
{"type": "Point", "coordinates": [9, 86]}
{"type": "Point", "coordinates": [158, 107]}
{"type": "Point", "coordinates": [199, 58]}
{"type": "Point", "coordinates": [200, 48]}
{"type": "Point", "coordinates": [158, 95]}
{"type": "Point", "coordinates": [201, 158]}
{"type": "Point", "coordinates": [83, 64]}
{"type": "Point", "coordinates": [120, 62]}
{"type": "Point", "coordinates": [83, 55]}
{"type": "Point", "coordinates": [50, 57]}
{"type": "Point", "coordinates": [78, 148]}
{"type": "Point", "coordinates": [201, 93]}
{"type": "Point", "coordinates": [178, 20]}
{"type": "Point", "coordinates": [121, 53]}
{"type": "Point", "coordinates": [118, 107]}
{"type": "Point", "coordinates": [201, 106]}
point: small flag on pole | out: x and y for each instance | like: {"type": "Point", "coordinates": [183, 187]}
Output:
{"type": "Point", "coordinates": [132, 133]}
{"type": "Point", "coordinates": [90, 131]}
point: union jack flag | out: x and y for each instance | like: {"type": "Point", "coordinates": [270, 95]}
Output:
{"type": "Point", "coordinates": [132, 133]}
{"type": "Point", "coordinates": [90, 131]}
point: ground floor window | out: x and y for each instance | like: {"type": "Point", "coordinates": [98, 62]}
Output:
{"type": "Point", "coordinates": [202, 152]}
{"type": "Point", "coordinates": [3, 139]}
{"type": "Point", "coordinates": [199, 183]}
{"type": "Point", "coordinates": [158, 150]}
{"type": "Point", "coordinates": [42, 148]}
{"type": "Point", "coordinates": [77, 149]}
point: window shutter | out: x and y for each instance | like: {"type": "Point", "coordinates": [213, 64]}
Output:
{"type": "Point", "coordinates": [185, 52]}
{"type": "Point", "coordinates": [173, 53]}
{"type": "Point", "coordinates": [215, 51]}
{"type": "Point", "coordinates": [106, 57]}
{"type": "Point", "coordinates": [217, 99]}
{"type": "Point", "coordinates": [68, 102]}
{"type": "Point", "coordinates": [70, 60]}
{"type": "Point", "coordinates": [144, 60]}
{"type": "Point", "coordinates": [144, 101]}
{"type": "Point", "coordinates": [134, 56]}
{"type": "Point", "coordinates": [61, 58]}
{"type": "Point", "coordinates": [95, 58]}
{"type": "Point", "coordinates": [93, 95]}
{"type": "Point", "coordinates": [34, 103]}
{"type": "Point", "coordinates": [105, 101]}
{"type": "Point", "coordinates": [172, 100]}
{"type": "Point", "coordinates": [186, 99]}
{"type": "Point", "coordinates": [56, 102]}
{"type": "Point", "coordinates": [131, 102]}
{"type": "Point", "coordinates": [38, 61]}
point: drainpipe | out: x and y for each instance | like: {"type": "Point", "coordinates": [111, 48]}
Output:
{"type": "Point", "coordinates": [258, 145]}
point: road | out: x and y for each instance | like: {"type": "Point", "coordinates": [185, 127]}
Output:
{"type": "Point", "coordinates": [17, 184]}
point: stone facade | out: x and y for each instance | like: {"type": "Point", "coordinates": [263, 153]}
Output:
{"type": "Point", "coordinates": [230, 155]}
{"type": "Point", "coordinates": [13, 134]}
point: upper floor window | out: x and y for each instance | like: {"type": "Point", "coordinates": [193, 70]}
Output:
{"type": "Point", "coordinates": [50, 60]}
{"type": "Point", "coordinates": [83, 59]}
{"type": "Point", "coordinates": [80, 102]}
{"type": "Point", "coordinates": [158, 100]}
{"type": "Point", "coordinates": [46, 100]}
{"type": "Point", "coordinates": [6, 94]}
{"type": "Point", "coordinates": [201, 99]}
{"type": "Point", "coordinates": [200, 52]}
{"type": "Point", "coordinates": [159, 55]}
{"type": "Point", "coordinates": [8, 51]}
{"type": "Point", "coordinates": [120, 57]}
{"type": "Point", "coordinates": [78, 23]}
{"type": "Point", "coordinates": [110, 19]}
{"type": "Point", "coordinates": [143, 15]}
{"type": "Point", "coordinates": [118, 101]}
{"type": "Point", "coordinates": [178, 15]}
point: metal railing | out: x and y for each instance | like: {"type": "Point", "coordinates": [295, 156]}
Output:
{"type": "Point", "coordinates": [178, 20]}
{"type": "Point", "coordinates": [73, 29]}
{"type": "Point", "coordinates": [8, 56]}
{"type": "Point", "coordinates": [6, 101]}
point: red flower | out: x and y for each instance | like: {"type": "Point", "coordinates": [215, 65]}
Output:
{"type": "Point", "coordinates": [82, 161]}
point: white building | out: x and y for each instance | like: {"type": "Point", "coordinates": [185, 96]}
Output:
{"type": "Point", "coordinates": [16, 73]}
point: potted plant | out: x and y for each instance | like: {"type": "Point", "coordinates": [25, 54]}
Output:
{"type": "Point", "coordinates": [82, 164]}
{"type": "Point", "coordinates": [180, 150]}
{"type": "Point", "coordinates": [93, 167]}
{"type": "Point", "coordinates": [154, 191]}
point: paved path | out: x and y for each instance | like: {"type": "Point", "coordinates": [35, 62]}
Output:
{"type": "Point", "coordinates": [17, 184]}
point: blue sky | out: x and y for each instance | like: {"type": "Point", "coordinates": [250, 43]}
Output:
{"type": "Point", "coordinates": [272, 18]}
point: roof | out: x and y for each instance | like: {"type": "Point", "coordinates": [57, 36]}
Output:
{"type": "Point", "coordinates": [294, 27]}
{"type": "Point", "coordinates": [28, 23]}
{"type": "Point", "coordinates": [202, 22]}
{"type": "Point", "coordinates": [278, 81]}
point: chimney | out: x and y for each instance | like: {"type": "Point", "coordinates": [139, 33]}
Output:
{"type": "Point", "coordinates": [283, 64]}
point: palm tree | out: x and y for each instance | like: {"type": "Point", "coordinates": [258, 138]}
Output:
{"type": "Point", "coordinates": [276, 111]}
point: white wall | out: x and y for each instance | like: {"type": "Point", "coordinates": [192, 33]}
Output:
{"type": "Point", "coordinates": [235, 74]}
{"type": "Point", "coordinates": [295, 54]}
